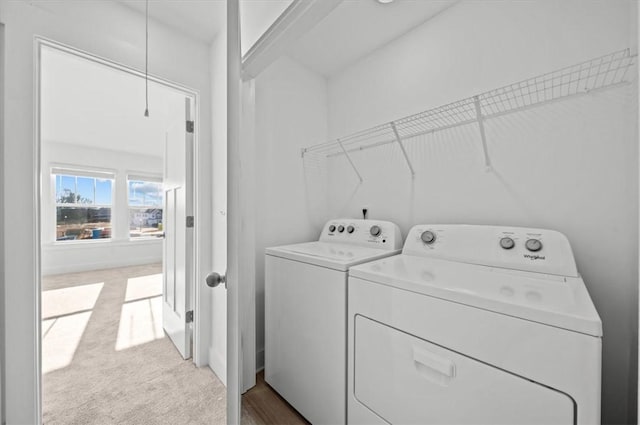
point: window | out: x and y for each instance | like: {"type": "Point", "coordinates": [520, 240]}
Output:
{"type": "Point", "coordinates": [145, 207]}
{"type": "Point", "coordinates": [83, 204]}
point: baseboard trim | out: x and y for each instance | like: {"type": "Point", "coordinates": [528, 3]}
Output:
{"type": "Point", "coordinates": [99, 265]}
{"type": "Point", "coordinates": [218, 365]}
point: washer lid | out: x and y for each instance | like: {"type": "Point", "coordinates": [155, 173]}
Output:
{"type": "Point", "coordinates": [557, 301]}
{"type": "Point", "coordinates": [335, 256]}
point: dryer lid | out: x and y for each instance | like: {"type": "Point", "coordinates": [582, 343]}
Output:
{"type": "Point", "coordinates": [336, 256]}
{"type": "Point", "coordinates": [558, 301]}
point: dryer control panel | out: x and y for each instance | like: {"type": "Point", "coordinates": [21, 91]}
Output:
{"type": "Point", "coordinates": [374, 233]}
{"type": "Point", "coordinates": [518, 248]}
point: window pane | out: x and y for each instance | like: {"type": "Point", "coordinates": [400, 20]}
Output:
{"type": "Point", "coordinates": [103, 192]}
{"type": "Point", "coordinates": [135, 198]}
{"type": "Point", "coordinates": [148, 194]}
{"type": "Point", "coordinates": [85, 190]}
{"type": "Point", "coordinates": [145, 222]}
{"type": "Point", "coordinates": [154, 194]}
{"type": "Point", "coordinates": [83, 223]}
{"type": "Point", "coordinates": [58, 186]}
{"type": "Point", "coordinates": [65, 189]}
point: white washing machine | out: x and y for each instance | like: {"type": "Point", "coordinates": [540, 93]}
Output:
{"type": "Point", "coordinates": [306, 313]}
{"type": "Point", "coordinates": [473, 325]}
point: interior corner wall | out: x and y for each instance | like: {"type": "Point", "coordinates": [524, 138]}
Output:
{"type": "Point", "coordinates": [119, 251]}
{"type": "Point", "coordinates": [218, 192]}
{"type": "Point", "coordinates": [290, 113]}
{"type": "Point", "coordinates": [571, 165]}
{"type": "Point", "coordinates": [88, 26]}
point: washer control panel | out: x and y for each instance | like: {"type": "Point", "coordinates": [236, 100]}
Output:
{"type": "Point", "coordinates": [374, 233]}
{"type": "Point", "coordinates": [519, 248]}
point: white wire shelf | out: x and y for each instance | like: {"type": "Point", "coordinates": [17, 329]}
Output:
{"type": "Point", "coordinates": [603, 72]}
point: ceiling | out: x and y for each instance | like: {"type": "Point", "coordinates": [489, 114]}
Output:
{"type": "Point", "coordinates": [352, 31]}
{"type": "Point", "coordinates": [100, 96]}
{"type": "Point", "coordinates": [200, 19]}
{"type": "Point", "coordinates": [104, 107]}
{"type": "Point", "coordinates": [205, 19]}
{"type": "Point", "coordinates": [358, 27]}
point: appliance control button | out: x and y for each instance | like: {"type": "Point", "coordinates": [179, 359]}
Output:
{"type": "Point", "coordinates": [375, 230]}
{"type": "Point", "coordinates": [428, 237]}
{"type": "Point", "coordinates": [350, 229]}
{"type": "Point", "coordinates": [533, 245]}
{"type": "Point", "coordinates": [507, 243]}
{"type": "Point", "coordinates": [332, 228]}
{"type": "Point", "coordinates": [341, 228]}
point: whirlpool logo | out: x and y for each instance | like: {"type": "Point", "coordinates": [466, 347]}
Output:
{"type": "Point", "coordinates": [534, 257]}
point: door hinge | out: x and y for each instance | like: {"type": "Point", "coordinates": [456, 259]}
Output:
{"type": "Point", "coordinates": [190, 221]}
{"type": "Point", "coordinates": [190, 125]}
{"type": "Point", "coordinates": [189, 316]}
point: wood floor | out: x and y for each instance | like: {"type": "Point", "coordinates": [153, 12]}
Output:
{"type": "Point", "coordinates": [262, 405]}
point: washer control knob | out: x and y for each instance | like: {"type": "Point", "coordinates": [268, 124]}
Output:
{"type": "Point", "coordinates": [375, 230]}
{"type": "Point", "coordinates": [350, 229]}
{"type": "Point", "coordinates": [507, 243]}
{"type": "Point", "coordinates": [341, 228]}
{"type": "Point", "coordinates": [428, 237]}
{"type": "Point", "coordinates": [533, 245]}
{"type": "Point", "coordinates": [332, 228]}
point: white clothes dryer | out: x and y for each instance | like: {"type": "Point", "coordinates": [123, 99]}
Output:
{"type": "Point", "coordinates": [306, 313]}
{"type": "Point", "coordinates": [473, 325]}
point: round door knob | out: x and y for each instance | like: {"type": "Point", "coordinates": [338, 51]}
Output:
{"type": "Point", "coordinates": [533, 245]}
{"type": "Point", "coordinates": [375, 230]}
{"type": "Point", "coordinates": [332, 228]}
{"type": "Point", "coordinates": [428, 237]}
{"type": "Point", "coordinates": [350, 229]}
{"type": "Point", "coordinates": [214, 279]}
{"type": "Point", "coordinates": [341, 228]}
{"type": "Point", "coordinates": [507, 243]}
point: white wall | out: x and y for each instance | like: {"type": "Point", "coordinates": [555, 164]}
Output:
{"type": "Point", "coordinates": [119, 251]}
{"type": "Point", "coordinates": [218, 193]}
{"type": "Point", "coordinates": [2, 239]}
{"type": "Point", "coordinates": [291, 108]}
{"type": "Point", "coordinates": [112, 31]}
{"type": "Point", "coordinates": [570, 166]}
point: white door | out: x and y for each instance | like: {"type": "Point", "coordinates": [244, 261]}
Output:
{"type": "Point", "coordinates": [178, 241]}
{"type": "Point", "coordinates": [228, 278]}
{"type": "Point", "coordinates": [234, 349]}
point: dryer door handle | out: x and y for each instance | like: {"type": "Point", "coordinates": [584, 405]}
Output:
{"type": "Point", "coordinates": [433, 361]}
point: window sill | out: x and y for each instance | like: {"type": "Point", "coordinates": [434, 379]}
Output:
{"type": "Point", "coordinates": [81, 242]}
{"type": "Point", "coordinates": [145, 238]}
{"type": "Point", "coordinates": [84, 243]}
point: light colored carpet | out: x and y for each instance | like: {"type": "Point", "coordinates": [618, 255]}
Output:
{"type": "Point", "coordinates": [107, 362]}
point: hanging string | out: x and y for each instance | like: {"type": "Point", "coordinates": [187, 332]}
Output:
{"type": "Point", "coordinates": [146, 60]}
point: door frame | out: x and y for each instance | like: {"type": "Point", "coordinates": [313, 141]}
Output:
{"type": "Point", "coordinates": [199, 246]}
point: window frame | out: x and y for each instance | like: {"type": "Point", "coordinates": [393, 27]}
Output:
{"type": "Point", "coordinates": [146, 178]}
{"type": "Point", "coordinates": [95, 174]}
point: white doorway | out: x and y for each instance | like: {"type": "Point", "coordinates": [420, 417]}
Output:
{"type": "Point", "coordinates": [106, 150]}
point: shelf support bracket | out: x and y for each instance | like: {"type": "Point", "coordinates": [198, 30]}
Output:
{"type": "Point", "coordinates": [349, 159]}
{"type": "Point", "coordinates": [483, 137]}
{"type": "Point", "coordinates": [404, 152]}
